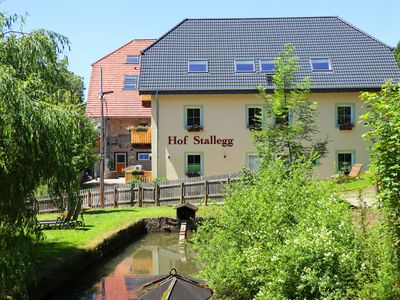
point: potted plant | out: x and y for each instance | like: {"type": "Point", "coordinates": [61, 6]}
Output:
{"type": "Point", "coordinates": [133, 173]}
{"type": "Point", "coordinates": [141, 128]}
{"type": "Point", "coordinates": [135, 170]}
{"type": "Point", "coordinates": [192, 174]}
{"type": "Point", "coordinates": [346, 126]}
{"type": "Point", "coordinates": [194, 127]}
{"type": "Point", "coordinates": [254, 127]}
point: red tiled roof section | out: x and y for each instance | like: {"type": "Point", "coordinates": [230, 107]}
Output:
{"type": "Point", "coordinates": [121, 103]}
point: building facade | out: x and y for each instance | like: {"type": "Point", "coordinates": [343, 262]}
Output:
{"type": "Point", "coordinates": [126, 114]}
{"type": "Point", "coordinates": [202, 77]}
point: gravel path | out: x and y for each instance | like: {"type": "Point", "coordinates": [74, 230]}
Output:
{"type": "Point", "coordinates": [368, 196]}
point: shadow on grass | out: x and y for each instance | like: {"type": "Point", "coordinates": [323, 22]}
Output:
{"type": "Point", "coordinates": [53, 265]}
{"type": "Point", "coordinates": [97, 211]}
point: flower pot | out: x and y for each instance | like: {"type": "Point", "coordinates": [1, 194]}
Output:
{"type": "Point", "coordinates": [346, 126]}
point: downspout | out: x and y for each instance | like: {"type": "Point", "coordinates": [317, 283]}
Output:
{"type": "Point", "coordinates": [157, 135]}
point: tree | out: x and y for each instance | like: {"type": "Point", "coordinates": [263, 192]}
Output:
{"type": "Point", "coordinates": [289, 127]}
{"type": "Point", "coordinates": [383, 120]}
{"type": "Point", "coordinates": [397, 53]}
{"type": "Point", "coordinates": [44, 138]}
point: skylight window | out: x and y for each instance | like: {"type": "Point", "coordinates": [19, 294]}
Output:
{"type": "Point", "coordinates": [321, 64]}
{"type": "Point", "coordinates": [244, 66]}
{"type": "Point", "coordinates": [132, 59]}
{"type": "Point", "coordinates": [198, 66]}
{"type": "Point", "coordinates": [267, 65]}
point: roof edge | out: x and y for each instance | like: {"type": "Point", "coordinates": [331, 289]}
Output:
{"type": "Point", "coordinates": [365, 33]}
{"type": "Point", "coordinates": [164, 35]}
{"type": "Point", "coordinates": [252, 91]}
{"type": "Point", "coordinates": [119, 48]}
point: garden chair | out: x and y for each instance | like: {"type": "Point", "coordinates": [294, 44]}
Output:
{"type": "Point", "coordinates": [59, 222]}
{"type": "Point", "coordinates": [354, 172]}
{"type": "Point", "coordinates": [78, 210]}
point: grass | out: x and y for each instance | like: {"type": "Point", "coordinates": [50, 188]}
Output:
{"type": "Point", "coordinates": [101, 223]}
{"type": "Point", "coordinates": [353, 184]}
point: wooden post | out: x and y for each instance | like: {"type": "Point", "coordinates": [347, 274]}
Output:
{"type": "Point", "coordinates": [182, 199]}
{"type": "Point", "coordinates": [132, 202]}
{"type": "Point", "coordinates": [206, 192]}
{"type": "Point", "coordinates": [115, 196]}
{"type": "Point", "coordinates": [89, 195]}
{"type": "Point", "coordinates": [140, 195]}
{"type": "Point", "coordinates": [157, 194]}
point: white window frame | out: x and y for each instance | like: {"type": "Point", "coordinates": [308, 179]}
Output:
{"type": "Point", "coordinates": [321, 70]}
{"type": "Point", "coordinates": [132, 63]}
{"type": "Point", "coordinates": [127, 83]}
{"type": "Point", "coordinates": [197, 61]}
{"type": "Point", "coordinates": [267, 60]}
{"type": "Point", "coordinates": [248, 160]}
{"type": "Point", "coordinates": [148, 154]}
{"type": "Point", "coordinates": [244, 60]}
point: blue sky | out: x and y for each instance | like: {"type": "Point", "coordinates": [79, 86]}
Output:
{"type": "Point", "coordinates": [96, 28]}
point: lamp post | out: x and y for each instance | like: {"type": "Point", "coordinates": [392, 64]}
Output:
{"type": "Point", "coordinates": [102, 139]}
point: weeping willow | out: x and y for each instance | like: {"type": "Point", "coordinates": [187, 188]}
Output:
{"type": "Point", "coordinates": [45, 138]}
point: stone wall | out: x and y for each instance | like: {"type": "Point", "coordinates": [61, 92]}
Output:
{"type": "Point", "coordinates": [119, 140]}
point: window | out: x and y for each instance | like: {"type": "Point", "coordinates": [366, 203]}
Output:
{"type": "Point", "coordinates": [345, 116]}
{"type": "Point", "coordinates": [244, 66]}
{"type": "Point", "coordinates": [283, 118]}
{"type": "Point", "coordinates": [132, 59]}
{"type": "Point", "coordinates": [143, 156]}
{"type": "Point", "coordinates": [198, 66]}
{"type": "Point", "coordinates": [322, 64]}
{"type": "Point", "coordinates": [193, 118]}
{"type": "Point", "coordinates": [267, 65]}
{"type": "Point", "coordinates": [131, 82]}
{"type": "Point", "coordinates": [345, 161]}
{"type": "Point", "coordinates": [254, 117]}
{"type": "Point", "coordinates": [253, 161]}
{"type": "Point", "coordinates": [194, 162]}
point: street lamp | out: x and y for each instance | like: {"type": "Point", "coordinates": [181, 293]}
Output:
{"type": "Point", "coordinates": [102, 139]}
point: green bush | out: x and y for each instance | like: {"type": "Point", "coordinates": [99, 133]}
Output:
{"type": "Point", "coordinates": [282, 235]}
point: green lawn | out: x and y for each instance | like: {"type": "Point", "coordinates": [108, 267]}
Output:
{"type": "Point", "coordinates": [353, 184]}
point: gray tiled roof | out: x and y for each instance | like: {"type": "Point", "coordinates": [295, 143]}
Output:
{"type": "Point", "coordinates": [358, 60]}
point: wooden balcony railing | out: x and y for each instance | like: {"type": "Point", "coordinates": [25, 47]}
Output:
{"type": "Point", "coordinates": [145, 98]}
{"type": "Point", "coordinates": [141, 137]}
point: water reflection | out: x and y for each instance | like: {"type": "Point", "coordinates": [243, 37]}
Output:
{"type": "Point", "coordinates": [140, 263]}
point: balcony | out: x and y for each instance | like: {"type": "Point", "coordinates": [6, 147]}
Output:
{"type": "Point", "coordinates": [146, 100]}
{"type": "Point", "coordinates": [140, 136]}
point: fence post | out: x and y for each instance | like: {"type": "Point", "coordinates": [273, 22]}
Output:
{"type": "Point", "coordinates": [132, 203]}
{"type": "Point", "coordinates": [182, 200]}
{"type": "Point", "coordinates": [140, 195]}
{"type": "Point", "coordinates": [115, 196]}
{"type": "Point", "coordinates": [206, 192]}
{"type": "Point", "coordinates": [157, 194]}
{"type": "Point", "coordinates": [89, 197]}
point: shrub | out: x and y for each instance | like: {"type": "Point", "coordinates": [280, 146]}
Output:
{"type": "Point", "coordinates": [282, 235]}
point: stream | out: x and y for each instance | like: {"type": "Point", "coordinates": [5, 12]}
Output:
{"type": "Point", "coordinates": [121, 276]}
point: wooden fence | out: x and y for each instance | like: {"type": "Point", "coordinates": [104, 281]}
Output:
{"type": "Point", "coordinates": [191, 190]}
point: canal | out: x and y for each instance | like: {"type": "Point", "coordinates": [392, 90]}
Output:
{"type": "Point", "coordinates": [121, 276]}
